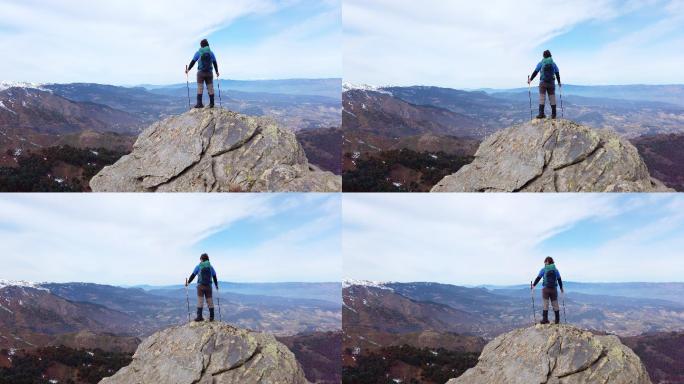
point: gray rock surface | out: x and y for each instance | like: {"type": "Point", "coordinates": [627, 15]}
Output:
{"type": "Point", "coordinates": [204, 353]}
{"type": "Point", "coordinates": [215, 150]}
{"type": "Point", "coordinates": [553, 156]}
{"type": "Point", "coordinates": [555, 354]}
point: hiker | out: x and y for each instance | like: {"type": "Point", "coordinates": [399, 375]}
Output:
{"type": "Point", "coordinates": [205, 273]}
{"type": "Point", "coordinates": [552, 280]}
{"type": "Point", "coordinates": [205, 59]}
{"type": "Point", "coordinates": [547, 70]}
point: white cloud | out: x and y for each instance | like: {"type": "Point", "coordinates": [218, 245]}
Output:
{"type": "Point", "coordinates": [137, 42]}
{"type": "Point", "coordinates": [149, 239]}
{"type": "Point", "coordinates": [486, 44]}
{"type": "Point", "coordinates": [483, 238]}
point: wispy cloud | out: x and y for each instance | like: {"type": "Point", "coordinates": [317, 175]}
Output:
{"type": "Point", "coordinates": [145, 239]}
{"type": "Point", "coordinates": [497, 43]}
{"type": "Point", "coordinates": [136, 42]}
{"type": "Point", "coordinates": [480, 239]}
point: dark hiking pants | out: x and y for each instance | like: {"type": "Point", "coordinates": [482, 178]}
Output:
{"type": "Point", "coordinates": [550, 294]}
{"type": "Point", "coordinates": [204, 291]}
{"type": "Point", "coordinates": [545, 88]}
{"type": "Point", "coordinates": [205, 77]}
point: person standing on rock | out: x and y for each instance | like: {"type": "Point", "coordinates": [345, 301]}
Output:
{"type": "Point", "coordinates": [205, 59]}
{"type": "Point", "coordinates": [547, 70]}
{"type": "Point", "coordinates": [205, 273]}
{"type": "Point", "coordinates": [551, 281]}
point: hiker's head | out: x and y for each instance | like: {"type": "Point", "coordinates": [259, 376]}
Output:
{"type": "Point", "coordinates": [547, 54]}
{"type": "Point", "coordinates": [548, 260]}
{"type": "Point", "coordinates": [204, 43]}
{"type": "Point", "coordinates": [204, 257]}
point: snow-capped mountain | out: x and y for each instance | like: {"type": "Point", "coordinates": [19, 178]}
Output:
{"type": "Point", "coordinates": [346, 86]}
{"type": "Point", "coordinates": [22, 84]}
{"type": "Point", "coordinates": [365, 283]}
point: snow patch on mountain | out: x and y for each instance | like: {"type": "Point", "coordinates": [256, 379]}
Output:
{"type": "Point", "coordinates": [22, 84]}
{"type": "Point", "coordinates": [2, 106]}
{"type": "Point", "coordinates": [365, 283]}
{"type": "Point", "coordinates": [21, 283]}
{"type": "Point", "coordinates": [363, 87]}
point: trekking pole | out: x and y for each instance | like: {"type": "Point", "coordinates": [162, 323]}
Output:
{"type": "Point", "coordinates": [529, 94]}
{"type": "Point", "coordinates": [218, 297]}
{"type": "Point", "coordinates": [560, 88]}
{"type": "Point", "coordinates": [187, 84]}
{"type": "Point", "coordinates": [534, 310]}
{"type": "Point", "coordinates": [187, 298]}
{"type": "Point", "coordinates": [564, 315]}
{"type": "Point", "coordinates": [218, 82]}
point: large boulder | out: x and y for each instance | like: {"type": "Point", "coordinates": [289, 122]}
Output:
{"type": "Point", "coordinates": [215, 150]}
{"type": "Point", "coordinates": [555, 354]}
{"type": "Point", "coordinates": [553, 156]}
{"type": "Point", "coordinates": [210, 353]}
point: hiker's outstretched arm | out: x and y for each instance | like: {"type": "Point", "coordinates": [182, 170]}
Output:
{"type": "Point", "coordinates": [534, 74]}
{"type": "Point", "coordinates": [194, 60]}
{"type": "Point", "coordinates": [213, 61]}
{"type": "Point", "coordinates": [192, 277]}
{"type": "Point", "coordinates": [558, 77]}
{"type": "Point", "coordinates": [536, 70]}
{"type": "Point", "coordinates": [536, 281]}
{"type": "Point", "coordinates": [560, 281]}
{"type": "Point", "coordinates": [213, 274]}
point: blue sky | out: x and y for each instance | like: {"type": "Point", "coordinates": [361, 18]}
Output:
{"type": "Point", "coordinates": [131, 239]}
{"type": "Point", "coordinates": [497, 43]}
{"type": "Point", "coordinates": [503, 238]}
{"type": "Point", "coordinates": [129, 42]}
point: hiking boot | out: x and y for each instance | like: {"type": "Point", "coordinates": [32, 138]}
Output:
{"type": "Point", "coordinates": [541, 114]}
{"type": "Point", "coordinates": [545, 317]}
{"type": "Point", "coordinates": [199, 315]}
{"type": "Point", "coordinates": [199, 102]}
{"type": "Point", "coordinates": [211, 314]}
{"type": "Point", "coordinates": [557, 317]}
{"type": "Point", "coordinates": [553, 111]}
{"type": "Point", "coordinates": [211, 101]}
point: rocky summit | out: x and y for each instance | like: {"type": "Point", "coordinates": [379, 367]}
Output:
{"type": "Point", "coordinates": [553, 156]}
{"type": "Point", "coordinates": [216, 353]}
{"type": "Point", "coordinates": [217, 150]}
{"type": "Point", "coordinates": [555, 354]}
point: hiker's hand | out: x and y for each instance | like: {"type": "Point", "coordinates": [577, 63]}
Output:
{"type": "Point", "coordinates": [186, 283]}
{"type": "Point", "coordinates": [217, 287]}
{"type": "Point", "coordinates": [217, 74]}
{"type": "Point", "coordinates": [560, 85]}
{"type": "Point", "coordinates": [528, 81]}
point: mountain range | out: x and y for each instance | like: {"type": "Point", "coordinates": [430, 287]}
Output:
{"type": "Point", "coordinates": [86, 116]}
{"type": "Point", "coordinates": [457, 318]}
{"type": "Point", "coordinates": [38, 320]}
{"type": "Point", "coordinates": [376, 120]}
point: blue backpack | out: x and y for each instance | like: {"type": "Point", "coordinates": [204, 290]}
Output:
{"type": "Point", "coordinates": [204, 277]}
{"type": "Point", "coordinates": [547, 72]}
{"type": "Point", "coordinates": [205, 61]}
{"type": "Point", "coordinates": [550, 280]}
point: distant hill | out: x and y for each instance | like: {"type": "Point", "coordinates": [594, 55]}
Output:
{"type": "Point", "coordinates": [379, 318]}
{"type": "Point", "coordinates": [662, 353]}
{"type": "Point", "coordinates": [664, 157]}
{"type": "Point", "coordinates": [378, 119]}
{"type": "Point", "coordinates": [318, 87]}
{"type": "Point", "coordinates": [323, 147]}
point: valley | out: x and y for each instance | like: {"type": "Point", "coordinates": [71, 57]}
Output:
{"type": "Point", "coordinates": [378, 317]}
